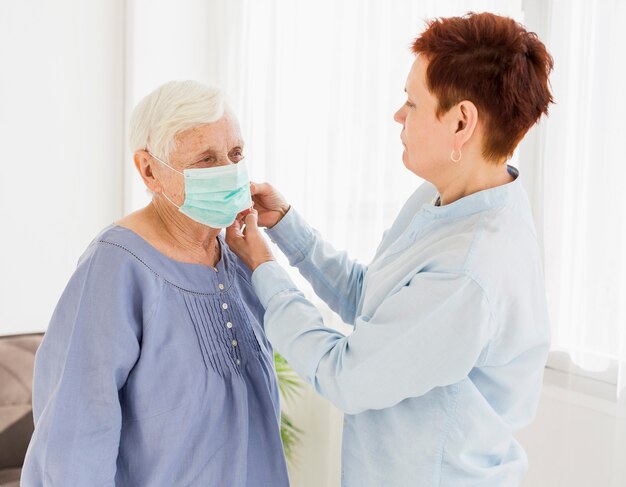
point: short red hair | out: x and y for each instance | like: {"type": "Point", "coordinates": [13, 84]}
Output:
{"type": "Point", "coordinates": [495, 63]}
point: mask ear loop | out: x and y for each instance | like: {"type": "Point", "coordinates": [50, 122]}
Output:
{"type": "Point", "coordinates": [164, 163]}
{"type": "Point", "coordinates": [169, 167]}
{"type": "Point", "coordinates": [165, 196]}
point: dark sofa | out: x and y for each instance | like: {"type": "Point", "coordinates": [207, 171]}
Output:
{"type": "Point", "coordinates": [17, 355]}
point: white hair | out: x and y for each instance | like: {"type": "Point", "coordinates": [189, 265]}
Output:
{"type": "Point", "coordinates": [172, 108]}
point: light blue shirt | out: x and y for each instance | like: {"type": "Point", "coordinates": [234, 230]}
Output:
{"type": "Point", "coordinates": [153, 373]}
{"type": "Point", "coordinates": [450, 338]}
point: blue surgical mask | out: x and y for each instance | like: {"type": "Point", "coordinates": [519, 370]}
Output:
{"type": "Point", "coordinates": [214, 195]}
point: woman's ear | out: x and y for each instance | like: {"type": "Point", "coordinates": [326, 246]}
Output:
{"type": "Point", "coordinates": [466, 120]}
{"type": "Point", "coordinates": [144, 164]}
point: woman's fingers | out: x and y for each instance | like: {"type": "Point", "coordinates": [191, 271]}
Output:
{"type": "Point", "coordinates": [237, 224]}
{"type": "Point", "coordinates": [232, 233]}
{"type": "Point", "coordinates": [249, 244]}
{"type": "Point", "coordinates": [242, 214]}
{"type": "Point", "coordinates": [266, 195]}
{"type": "Point", "coordinates": [244, 225]}
{"type": "Point", "coordinates": [271, 205]}
{"type": "Point", "coordinates": [260, 189]}
{"type": "Point", "coordinates": [251, 221]}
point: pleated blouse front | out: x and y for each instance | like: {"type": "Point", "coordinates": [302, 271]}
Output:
{"type": "Point", "coordinates": [156, 372]}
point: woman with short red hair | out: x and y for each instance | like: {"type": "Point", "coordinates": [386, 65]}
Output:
{"type": "Point", "coordinates": [451, 329]}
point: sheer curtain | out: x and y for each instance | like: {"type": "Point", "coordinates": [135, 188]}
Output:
{"type": "Point", "coordinates": [583, 210]}
{"type": "Point", "coordinates": [315, 85]}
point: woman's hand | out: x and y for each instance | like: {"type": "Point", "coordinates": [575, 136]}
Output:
{"type": "Point", "coordinates": [270, 204]}
{"type": "Point", "coordinates": [244, 239]}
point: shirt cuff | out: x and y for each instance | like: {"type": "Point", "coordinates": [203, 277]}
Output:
{"type": "Point", "coordinates": [293, 235]}
{"type": "Point", "coordinates": [270, 279]}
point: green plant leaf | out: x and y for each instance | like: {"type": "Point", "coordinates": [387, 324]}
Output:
{"type": "Point", "coordinates": [291, 435]}
{"type": "Point", "coordinates": [289, 385]}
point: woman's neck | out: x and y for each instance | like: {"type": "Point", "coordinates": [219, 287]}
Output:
{"type": "Point", "coordinates": [165, 229]}
{"type": "Point", "coordinates": [197, 241]}
{"type": "Point", "coordinates": [470, 179]}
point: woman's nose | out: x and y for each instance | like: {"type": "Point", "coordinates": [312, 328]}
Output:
{"type": "Point", "coordinates": [399, 116]}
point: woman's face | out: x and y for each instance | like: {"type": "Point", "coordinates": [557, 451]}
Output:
{"type": "Point", "coordinates": [427, 140]}
{"type": "Point", "coordinates": [214, 144]}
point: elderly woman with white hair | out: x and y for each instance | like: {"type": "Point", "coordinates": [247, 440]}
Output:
{"type": "Point", "coordinates": [155, 369]}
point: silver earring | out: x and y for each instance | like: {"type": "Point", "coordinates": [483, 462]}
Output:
{"type": "Point", "coordinates": [452, 156]}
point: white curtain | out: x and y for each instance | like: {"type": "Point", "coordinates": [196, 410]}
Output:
{"type": "Point", "coordinates": [315, 86]}
{"type": "Point", "coordinates": [583, 167]}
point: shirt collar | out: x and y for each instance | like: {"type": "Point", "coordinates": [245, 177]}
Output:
{"type": "Point", "coordinates": [476, 202]}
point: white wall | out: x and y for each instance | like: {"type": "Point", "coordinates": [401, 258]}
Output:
{"type": "Point", "coordinates": [577, 440]}
{"type": "Point", "coordinates": [317, 457]}
{"type": "Point", "coordinates": [61, 126]}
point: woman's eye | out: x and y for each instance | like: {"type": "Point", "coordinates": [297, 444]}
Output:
{"type": "Point", "coordinates": [409, 104]}
{"type": "Point", "coordinates": [207, 161]}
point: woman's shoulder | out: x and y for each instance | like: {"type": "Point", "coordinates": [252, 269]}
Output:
{"type": "Point", "coordinates": [109, 279]}
{"type": "Point", "coordinates": [114, 243]}
{"type": "Point", "coordinates": [114, 253]}
{"type": "Point", "coordinates": [484, 243]}
{"type": "Point", "coordinates": [124, 248]}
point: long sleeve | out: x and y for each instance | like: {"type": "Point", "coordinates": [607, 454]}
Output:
{"type": "Point", "coordinates": [90, 347]}
{"type": "Point", "coordinates": [431, 333]}
{"type": "Point", "coordinates": [336, 278]}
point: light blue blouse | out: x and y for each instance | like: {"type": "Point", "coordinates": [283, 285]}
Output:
{"type": "Point", "coordinates": [450, 338]}
{"type": "Point", "coordinates": [155, 372]}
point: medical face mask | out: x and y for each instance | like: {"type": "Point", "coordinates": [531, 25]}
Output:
{"type": "Point", "coordinates": [214, 195]}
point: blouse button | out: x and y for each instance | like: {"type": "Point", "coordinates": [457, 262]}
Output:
{"type": "Point", "coordinates": [238, 362]}
{"type": "Point", "coordinates": [221, 286]}
{"type": "Point", "coordinates": [234, 342]}
{"type": "Point", "coordinates": [229, 325]}
{"type": "Point", "coordinates": [224, 306]}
